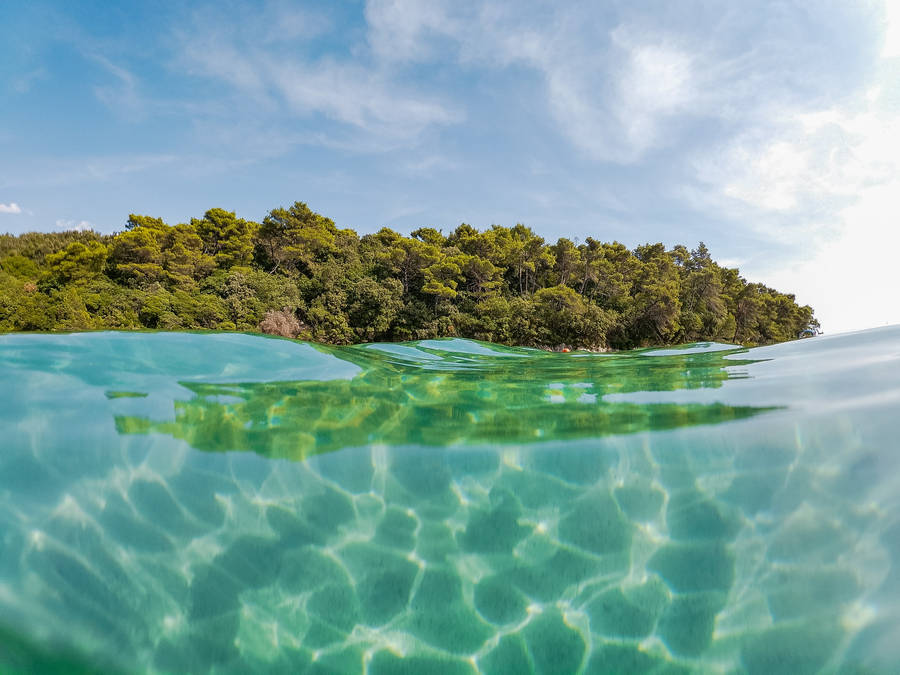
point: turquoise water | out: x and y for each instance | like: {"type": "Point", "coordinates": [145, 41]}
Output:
{"type": "Point", "coordinates": [176, 503]}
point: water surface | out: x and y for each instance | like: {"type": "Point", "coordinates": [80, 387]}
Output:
{"type": "Point", "coordinates": [232, 503]}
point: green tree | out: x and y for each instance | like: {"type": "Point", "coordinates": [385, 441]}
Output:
{"type": "Point", "coordinates": [654, 311]}
{"type": "Point", "coordinates": [183, 258]}
{"type": "Point", "coordinates": [567, 260]}
{"type": "Point", "coordinates": [136, 254]}
{"type": "Point", "coordinates": [295, 239]}
{"type": "Point", "coordinates": [525, 256]}
{"type": "Point", "coordinates": [373, 307]}
{"type": "Point", "coordinates": [226, 238]}
{"type": "Point", "coordinates": [567, 319]}
{"type": "Point", "coordinates": [395, 256]}
{"type": "Point", "coordinates": [442, 278]}
{"type": "Point", "coordinates": [76, 262]}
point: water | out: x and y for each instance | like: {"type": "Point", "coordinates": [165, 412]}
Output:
{"type": "Point", "coordinates": [232, 504]}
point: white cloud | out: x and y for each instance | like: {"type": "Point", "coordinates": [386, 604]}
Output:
{"type": "Point", "coordinates": [616, 85]}
{"type": "Point", "coordinates": [657, 82]}
{"type": "Point", "coordinates": [121, 96]}
{"type": "Point", "coordinates": [891, 46]}
{"type": "Point", "coordinates": [851, 280]}
{"type": "Point", "coordinates": [12, 207]}
{"type": "Point", "coordinates": [364, 95]}
{"type": "Point", "coordinates": [403, 30]}
{"type": "Point", "coordinates": [825, 184]}
{"type": "Point", "coordinates": [658, 77]}
{"type": "Point", "coordinates": [428, 165]}
{"type": "Point", "coordinates": [769, 178]}
{"type": "Point", "coordinates": [609, 89]}
{"type": "Point", "coordinates": [218, 57]}
{"type": "Point", "coordinates": [79, 225]}
{"type": "Point", "coordinates": [358, 96]}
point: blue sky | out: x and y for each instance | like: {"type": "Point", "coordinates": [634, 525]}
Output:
{"type": "Point", "coordinates": [769, 130]}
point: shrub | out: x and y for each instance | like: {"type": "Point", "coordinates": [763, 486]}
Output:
{"type": "Point", "coordinates": [283, 323]}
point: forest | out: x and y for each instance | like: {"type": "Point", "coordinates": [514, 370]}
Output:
{"type": "Point", "coordinates": [298, 275]}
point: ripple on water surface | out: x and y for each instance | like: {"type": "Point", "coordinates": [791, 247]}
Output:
{"type": "Point", "coordinates": [232, 504]}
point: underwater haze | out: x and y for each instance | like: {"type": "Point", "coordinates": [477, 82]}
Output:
{"type": "Point", "coordinates": [228, 503]}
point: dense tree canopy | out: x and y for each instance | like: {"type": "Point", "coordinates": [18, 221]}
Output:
{"type": "Point", "coordinates": [296, 271]}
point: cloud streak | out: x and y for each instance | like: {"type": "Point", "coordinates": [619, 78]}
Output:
{"type": "Point", "coordinates": [12, 207]}
{"type": "Point", "coordinates": [291, 88]}
{"type": "Point", "coordinates": [122, 95]}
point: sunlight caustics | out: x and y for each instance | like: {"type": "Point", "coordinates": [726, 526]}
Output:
{"type": "Point", "coordinates": [177, 503]}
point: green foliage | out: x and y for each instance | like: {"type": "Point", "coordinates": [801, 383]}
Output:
{"type": "Point", "coordinates": [295, 239]}
{"type": "Point", "coordinates": [373, 307]}
{"type": "Point", "coordinates": [151, 252]}
{"type": "Point", "coordinates": [21, 267]}
{"type": "Point", "coordinates": [76, 262]}
{"type": "Point", "coordinates": [502, 285]}
{"type": "Point", "coordinates": [136, 255]}
{"type": "Point", "coordinates": [567, 318]}
{"type": "Point", "coordinates": [226, 238]}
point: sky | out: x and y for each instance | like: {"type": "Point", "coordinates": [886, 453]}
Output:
{"type": "Point", "coordinates": [770, 130]}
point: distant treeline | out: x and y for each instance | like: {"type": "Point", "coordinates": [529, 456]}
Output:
{"type": "Point", "coordinates": [297, 274]}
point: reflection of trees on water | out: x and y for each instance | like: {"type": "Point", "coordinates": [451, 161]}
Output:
{"type": "Point", "coordinates": [411, 397]}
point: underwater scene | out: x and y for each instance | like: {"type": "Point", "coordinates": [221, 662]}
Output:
{"type": "Point", "coordinates": [234, 503]}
